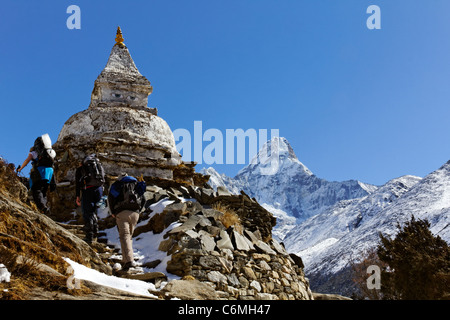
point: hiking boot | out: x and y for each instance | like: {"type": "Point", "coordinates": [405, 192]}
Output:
{"type": "Point", "coordinates": [89, 240]}
{"type": "Point", "coordinates": [128, 265]}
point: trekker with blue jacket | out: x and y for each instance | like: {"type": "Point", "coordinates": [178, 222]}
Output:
{"type": "Point", "coordinates": [41, 174]}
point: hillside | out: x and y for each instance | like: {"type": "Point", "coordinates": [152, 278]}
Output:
{"type": "Point", "coordinates": [190, 243]}
{"type": "Point", "coordinates": [329, 242]}
{"type": "Point", "coordinates": [33, 248]}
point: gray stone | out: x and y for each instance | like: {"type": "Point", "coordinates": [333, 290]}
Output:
{"type": "Point", "coordinates": [204, 221]}
{"type": "Point", "coordinates": [249, 273]}
{"type": "Point", "coordinates": [190, 224]}
{"type": "Point", "coordinates": [210, 262]}
{"type": "Point", "coordinates": [170, 217]}
{"type": "Point", "coordinates": [213, 230]}
{"type": "Point", "coordinates": [228, 254]}
{"type": "Point", "coordinates": [165, 245]}
{"type": "Point", "coordinates": [264, 247]}
{"type": "Point", "coordinates": [251, 236]}
{"type": "Point", "coordinates": [243, 282]}
{"type": "Point", "coordinates": [217, 277]}
{"type": "Point", "coordinates": [255, 285]}
{"type": "Point", "coordinates": [223, 191]}
{"type": "Point", "coordinates": [148, 277]}
{"type": "Point", "coordinates": [207, 241]}
{"type": "Point", "coordinates": [189, 290]}
{"type": "Point", "coordinates": [212, 213]}
{"type": "Point", "coordinates": [192, 234]}
{"type": "Point", "coordinates": [189, 243]}
{"type": "Point", "coordinates": [249, 243]}
{"type": "Point", "coordinates": [233, 279]}
{"type": "Point", "coordinates": [151, 264]}
{"type": "Point", "coordinates": [226, 264]}
{"type": "Point", "coordinates": [239, 241]}
{"type": "Point", "coordinates": [278, 247]}
{"type": "Point", "coordinates": [225, 241]}
{"type": "Point", "coordinates": [180, 207]}
{"type": "Point", "coordinates": [265, 296]}
{"type": "Point", "coordinates": [264, 265]}
{"type": "Point", "coordinates": [193, 206]}
{"type": "Point", "coordinates": [326, 296]}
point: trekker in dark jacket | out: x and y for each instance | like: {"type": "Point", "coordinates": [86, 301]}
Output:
{"type": "Point", "coordinates": [89, 191]}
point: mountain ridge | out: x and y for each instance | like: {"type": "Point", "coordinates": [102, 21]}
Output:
{"type": "Point", "coordinates": [339, 233]}
{"type": "Point", "coordinates": [290, 186]}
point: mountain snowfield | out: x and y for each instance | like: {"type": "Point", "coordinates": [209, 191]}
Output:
{"type": "Point", "coordinates": [291, 192]}
{"type": "Point", "coordinates": [331, 224]}
{"type": "Point", "coordinates": [283, 179]}
{"type": "Point", "coordinates": [328, 241]}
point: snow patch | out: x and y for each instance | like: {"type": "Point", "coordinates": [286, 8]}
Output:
{"type": "Point", "coordinates": [129, 285]}
{"type": "Point", "coordinates": [5, 275]}
{"type": "Point", "coordinates": [308, 254]}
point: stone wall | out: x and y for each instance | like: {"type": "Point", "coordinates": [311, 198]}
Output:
{"type": "Point", "coordinates": [225, 241]}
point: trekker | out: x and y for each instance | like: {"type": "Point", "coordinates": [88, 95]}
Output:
{"type": "Point", "coordinates": [125, 201]}
{"type": "Point", "coordinates": [89, 181]}
{"type": "Point", "coordinates": [42, 157]}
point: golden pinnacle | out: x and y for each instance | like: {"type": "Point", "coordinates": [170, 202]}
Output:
{"type": "Point", "coordinates": [119, 38]}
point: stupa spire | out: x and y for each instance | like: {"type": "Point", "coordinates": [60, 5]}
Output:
{"type": "Point", "coordinates": [119, 37]}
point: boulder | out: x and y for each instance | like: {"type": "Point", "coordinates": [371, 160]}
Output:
{"type": "Point", "coordinates": [264, 247]}
{"type": "Point", "coordinates": [207, 241]}
{"type": "Point", "coordinates": [239, 241]}
{"type": "Point", "coordinates": [223, 191]}
{"type": "Point", "coordinates": [189, 290]}
{"type": "Point", "coordinates": [328, 296]}
{"type": "Point", "coordinates": [225, 241]}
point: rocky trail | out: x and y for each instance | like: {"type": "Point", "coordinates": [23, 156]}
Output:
{"type": "Point", "coordinates": [110, 255]}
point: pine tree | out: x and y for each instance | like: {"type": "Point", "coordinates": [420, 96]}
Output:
{"type": "Point", "coordinates": [418, 263]}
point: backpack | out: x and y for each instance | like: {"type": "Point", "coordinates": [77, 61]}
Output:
{"type": "Point", "coordinates": [126, 194]}
{"type": "Point", "coordinates": [92, 172]}
{"type": "Point", "coordinates": [43, 148]}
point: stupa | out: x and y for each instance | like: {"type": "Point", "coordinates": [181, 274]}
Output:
{"type": "Point", "coordinates": [119, 127]}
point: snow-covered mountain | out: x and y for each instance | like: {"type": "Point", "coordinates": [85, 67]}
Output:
{"type": "Point", "coordinates": [286, 186]}
{"type": "Point", "coordinates": [329, 241]}
{"type": "Point", "coordinates": [330, 224]}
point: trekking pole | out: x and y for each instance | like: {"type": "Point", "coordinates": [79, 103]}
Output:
{"type": "Point", "coordinates": [20, 174]}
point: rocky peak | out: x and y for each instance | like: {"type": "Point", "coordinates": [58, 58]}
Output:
{"type": "Point", "coordinates": [276, 156]}
{"type": "Point", "coordinates": [277, 178]}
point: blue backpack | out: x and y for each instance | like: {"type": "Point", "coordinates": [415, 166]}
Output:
{"type": "Point", "coordinates": [126, 194]}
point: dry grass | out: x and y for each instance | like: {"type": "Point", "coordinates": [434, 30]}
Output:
{"type": "Point", "coordinates": [229, 218]}
{"type": "Point", "coordinates": [25, 275]}
{"type": "Point", "coordinates": [25, 244]}
{"type": "Point", "coordinates": [10, 182]}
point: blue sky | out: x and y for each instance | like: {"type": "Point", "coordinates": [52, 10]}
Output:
{"type": "Point", "coordinates": [354, 103]}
